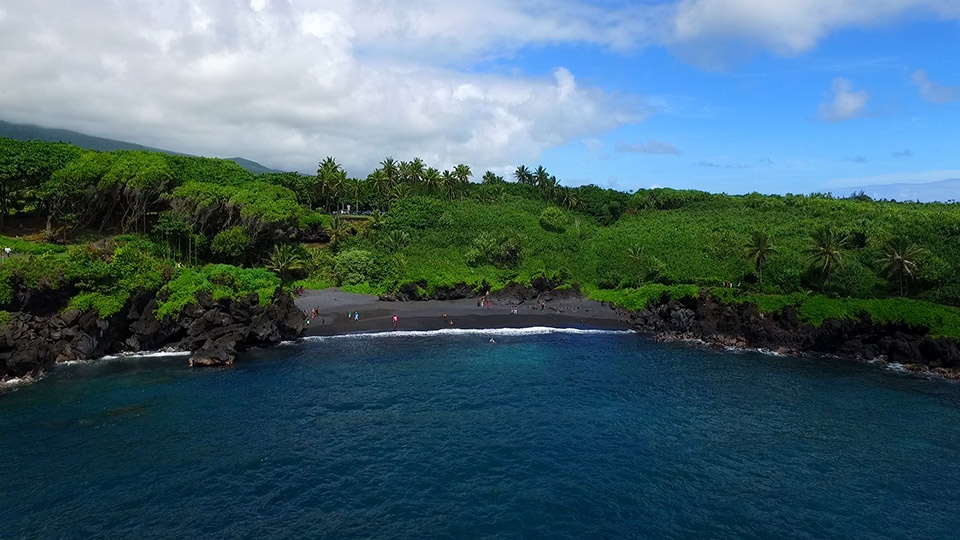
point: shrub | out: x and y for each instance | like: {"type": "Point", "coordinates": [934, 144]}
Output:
{"type": "Point", "coordinates": [553, 219]}
{"type": "Point", "coordinates": [232, 244]}
{"type": "Point", "coordinates": [355, 266]}
{"type": "Point", "coordinates": [222, 281]}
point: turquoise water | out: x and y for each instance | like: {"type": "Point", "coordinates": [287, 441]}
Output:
{"type": "Point", "coordinates": [557, 435]}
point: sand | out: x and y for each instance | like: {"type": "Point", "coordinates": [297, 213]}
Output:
{"type": "Point", "coordinates": [557, 311]}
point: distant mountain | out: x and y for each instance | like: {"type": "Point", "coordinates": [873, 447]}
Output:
{"type": "Point", "coordinates": [251, 166]}
{"type": "Point", "coordinates": [941, 191]}
{"type": "Point", "coordinates": [27, 132]}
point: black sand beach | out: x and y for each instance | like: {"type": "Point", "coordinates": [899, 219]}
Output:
{"type": "Point", "coordinates": [375, 315]}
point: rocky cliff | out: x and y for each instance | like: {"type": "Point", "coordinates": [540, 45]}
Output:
{"type": "Point", "coordinates": [742, 325]}
{"type": "Point", "coordinates": [214, 332]}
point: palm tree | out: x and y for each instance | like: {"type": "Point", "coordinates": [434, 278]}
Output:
{"type": "Point", "coordinates": [899, 259]}
{"type": "Point", "coordinates": [329, 177]}
{"type": "Point", "coordinates": [415, 171]}
{"type": "Point", "coordinates": [492, 192]}
{"type": "Point", "coordinates": [338, 230]}
{"type": "Point", "coordinates": [638, 258]}
{"type": "Point", "coordinates": [389, 168]}
{"type": "Point", "coordinates": [490, 178]}
{"type": "Point", "coordinates": [758, 251]}
{"type": "Point", "coordinates": [284, 260]}
{"type": "Point", "coordinates": [432, 179]}
{"type": "Point", "coordinates": [395, 240]}
{"type": "Point", "coordinates": [523, 175]}
{"type": "Point", "coordinates": [826, 251]}
{"type": "Point", "coordinates": [448, 183]}
{"type": "Point", "coordinates": [374, 224]}
{"type": "Point", "coordinates": [400, 191]}
{"type": "Point", "coordinates": [381, 183]}
{"type": "Point", "coordinates": [541, 177]}
{"type": "Point", "coordinates": [570, 198]}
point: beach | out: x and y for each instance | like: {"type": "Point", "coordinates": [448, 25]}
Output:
{"type": "Point", "coordinates": [504, 311]}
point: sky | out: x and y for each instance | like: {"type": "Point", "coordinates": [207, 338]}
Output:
{"type": "Point", "coordinates": [734, 96]}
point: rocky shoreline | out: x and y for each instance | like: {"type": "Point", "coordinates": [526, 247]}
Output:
{"type": "Point", "coordinates": [213, 331]}
{"type": "Point", "coordinates": [743, 326]}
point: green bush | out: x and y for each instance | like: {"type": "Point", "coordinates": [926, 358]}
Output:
{"type": "Point", "coordinates": [356, 266]}
{"type": "Point", "coordinates": [221, 281]}
{"type": "Point", "coordinates": [553, 219]}
{"type": "Point", "coordinates": [232, 245]}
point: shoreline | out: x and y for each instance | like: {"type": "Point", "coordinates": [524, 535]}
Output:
{"type": "Point", "coordinates": [333, 306]}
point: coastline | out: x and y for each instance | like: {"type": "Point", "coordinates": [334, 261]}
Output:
{"type": "Point", "coordinates": [375, 315]}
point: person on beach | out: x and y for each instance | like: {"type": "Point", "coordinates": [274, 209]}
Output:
{"type": "Point", "coordinates": [396, 323]}
{"type": "Point", "coordinates": [356, 315]}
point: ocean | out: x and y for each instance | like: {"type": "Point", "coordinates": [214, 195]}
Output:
{"type": "Point", "coordinates": [542, 434]}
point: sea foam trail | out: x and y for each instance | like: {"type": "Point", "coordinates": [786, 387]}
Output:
{"type": "Point", "coordinates": [128, 356]}
{"type": "Point", "coordinates": [530, 331]}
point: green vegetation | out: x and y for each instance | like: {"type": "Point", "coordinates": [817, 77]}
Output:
{"type": "Point", "coordinates": [100, 226]}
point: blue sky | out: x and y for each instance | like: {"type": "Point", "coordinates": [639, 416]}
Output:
{"type": "Point", "coordinates": [728, 96]}
{"type": "Point", "coordinates": [757, 125]}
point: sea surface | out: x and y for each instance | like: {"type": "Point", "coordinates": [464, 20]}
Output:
{"type": "Point", "coordinates": [569, 434]}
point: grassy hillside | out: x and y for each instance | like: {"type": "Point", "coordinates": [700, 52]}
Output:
{"type": "Point", "coordinates": [415, 229]}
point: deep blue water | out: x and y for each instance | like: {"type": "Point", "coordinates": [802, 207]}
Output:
{"type": "Point", "coordinates": [555, 435]}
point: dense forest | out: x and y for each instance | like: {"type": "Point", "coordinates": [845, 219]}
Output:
{"type": "Point", "coordinates": [93, 227]}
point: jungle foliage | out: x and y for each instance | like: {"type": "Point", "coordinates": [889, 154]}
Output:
{"type": "Point", "coordinates": [409, 224]}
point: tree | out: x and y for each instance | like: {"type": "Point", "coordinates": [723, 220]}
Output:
{"type": "Point", "coordinates": [826, 251]}
{"type": "Point", "coordinates": [524, 176]}
{"type": "Point", "coordinates": [389, 168]}
{"type": "Point", "coordinates": [570, 198]}
{"type": "Point", "coordinates": [394, 241]}
{"type": "Point", "coordinates": [285, 260]}
{"type": "Point", "coordinates": [638, 257]}
{"type": "Point", "coordinates": [330, 179]}
{"type": "Point", "coordinates": [232, 245]}
{"type": "Point", "coordinates": [758, 251]}
{"type": "Point", "coordinates": [432, 180]}
{"type": "Point", "coordinates": [490, 178]}
{"type": "Point", "coordinates": [448, 184]}
{"type": "Point", "coordinates": [899, 259]}
{"type": "Point", "coordinates": [338, 230]}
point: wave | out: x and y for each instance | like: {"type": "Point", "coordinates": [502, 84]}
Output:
{"type": "Point", "coordinates": [529, 331]}
{"type": "Point", "coordinates": [128, 356]}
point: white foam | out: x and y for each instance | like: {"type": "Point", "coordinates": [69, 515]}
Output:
{"type": "Point", "coordinates": [529, 331]}
{"type": "Point", "coordinates": [14, 382]}
{"type": "Point", "coordinates": [141, 354]}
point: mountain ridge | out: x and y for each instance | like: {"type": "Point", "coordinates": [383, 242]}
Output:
{"type": "Point", "coordinates": [27, 132]}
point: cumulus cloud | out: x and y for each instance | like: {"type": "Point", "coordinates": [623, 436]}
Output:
{"type": "Point", "coordinates": [289, 82]}
{"type": "Point", "coordinates": [652, 147]}
{"type": "Point", "coordinates": [843, 102]}
{"type": "Point", "coordinates": [715, 33]}
{"type": "Point", "coordinates": [933, 92]}
{"type": "Point", "coordinates": [905, 153]}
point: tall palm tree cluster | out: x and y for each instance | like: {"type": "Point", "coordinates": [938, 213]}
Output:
{"type": "Point", "coordinates": [390, 182]}
{"type": "Point", "coordinates": [899, 259]}
{"type": "Point", "coordinates": [393, 180]}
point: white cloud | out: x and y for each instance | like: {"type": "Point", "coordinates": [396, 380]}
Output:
{"type": "Point", "coordinates": [287, 83]}
{"type": "Point", "coordinates": [716, 33]}
{"type": "Point", "coordinates": [844, 102]}
{"type": "Point", "coordinates": [933, 92]}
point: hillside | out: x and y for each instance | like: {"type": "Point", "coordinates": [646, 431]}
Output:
{"type": "Point", "coordinates": [28, 132]}
{"type": "Point", "coordinates": [422, 233]}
